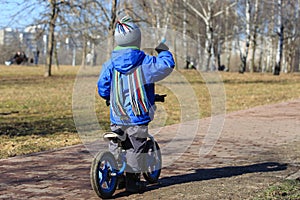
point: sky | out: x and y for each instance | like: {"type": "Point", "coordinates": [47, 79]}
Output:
{"type": "Point", "coordinates": [24, 16]}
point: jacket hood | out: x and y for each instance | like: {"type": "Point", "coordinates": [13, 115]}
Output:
{"type": "Point", "coordinates": [126, 59]}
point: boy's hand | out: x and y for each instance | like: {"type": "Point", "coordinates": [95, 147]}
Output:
{"type": "Point", "coordinates": [161, 47]}
{"type": "Point", "coordinates": [107, 102]}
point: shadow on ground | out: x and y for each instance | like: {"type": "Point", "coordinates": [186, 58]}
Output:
{"type": "Point", "coordinates": [41, 126]}
{"type": "Point", "coordinates": [38, 127]}
{"type": "Point", "coordinates": [214, 173]}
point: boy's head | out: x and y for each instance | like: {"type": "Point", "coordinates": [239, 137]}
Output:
{"type": "Point", "coordinates": [127, 33]}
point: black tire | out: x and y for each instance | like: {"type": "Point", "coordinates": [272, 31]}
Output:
{"type": "Point", "coordinates": [153, 162]}
{"type": "Point", "coordinates": [103, 165]}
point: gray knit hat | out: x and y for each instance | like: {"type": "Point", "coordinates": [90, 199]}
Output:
{"type": "Point", "coordinates": [127, 33]}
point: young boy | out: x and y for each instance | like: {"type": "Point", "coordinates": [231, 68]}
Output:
{"type": "Point", "coordinates": [127, 83]}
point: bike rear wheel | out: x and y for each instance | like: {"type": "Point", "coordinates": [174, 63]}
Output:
{"type": "Point", "coordinates": [103, 174]}
{"type": "Point", "coordinates": [153, 162]}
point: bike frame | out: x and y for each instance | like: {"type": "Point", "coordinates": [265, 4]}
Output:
{"type": "Point", "coordinates": [123, 156]}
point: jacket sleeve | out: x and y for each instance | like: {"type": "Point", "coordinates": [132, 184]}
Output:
{"type": "Point", "coordinates": [104, 82]}
{"type": "Point", "coordinates": [157, 68]}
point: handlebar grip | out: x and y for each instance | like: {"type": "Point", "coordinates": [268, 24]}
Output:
{"type": "Point", "coordinates": [160, 98]}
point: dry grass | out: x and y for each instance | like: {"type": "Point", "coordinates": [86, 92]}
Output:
{"type": "Point", "coordinates": [36, 112]}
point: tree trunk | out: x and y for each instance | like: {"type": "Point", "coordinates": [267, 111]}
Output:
{"type": "Point", "coordinates": [289, 49]}
{"type": "Point", "coordinates": [248, 37]}
{"type": "Point", "coordinates": [279, 53]}
{"type": "Point", "coordinates": [198, 64]}
{"type": "Point", "coordinates": [291, 46]}
{"type": "Point", "coordinates": [261, 65]}
{"type": "Point", "coordinates": [56, 55]}
{"type": "Point", "coordinates": [74, 57]}
{"type": "Point", "coordinates": [280, 34]}
{"type": "Point", "coordinates": [254, 45]}
{"type": "Point", "coordinates": [209, 40]}
{"type": "Point", "coordinates": [270, 42]}
{"type": "Point", "coordinates": [50, 44]}
{"type": "Point", "coordinates": [228, 45]}
{"type": "Point", "coordinates": [111, 29]}
{"type": "Point", "coordinates": [84, 52]}
{"type": "Point", "coordinates": [184, 37]}
{"type": "Point", "coordinates": [219, 52]}
{"type": "Point", "coordinates": [254, 41]}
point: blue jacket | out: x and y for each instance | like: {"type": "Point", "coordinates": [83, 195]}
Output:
{"type": "Point", "coordinates": [127, 80]}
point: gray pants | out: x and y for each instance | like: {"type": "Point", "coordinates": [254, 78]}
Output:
{"type": "Point", "coordinates": [134, 145]}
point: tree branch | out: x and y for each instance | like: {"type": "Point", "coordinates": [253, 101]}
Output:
{"type": "Point", "coordinates": [196, 11]}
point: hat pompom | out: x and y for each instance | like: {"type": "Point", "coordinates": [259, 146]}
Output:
{"type": "Point", "coordinates": [124, 25]}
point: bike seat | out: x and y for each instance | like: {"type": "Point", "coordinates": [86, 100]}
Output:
{"type": "Point", "coordinates": [114, 136]}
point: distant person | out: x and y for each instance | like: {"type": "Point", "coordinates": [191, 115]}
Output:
{"type": "Point", "coordinates": [15, 59]}
{"type": "Point", "coordinates": [187, 62]}
{"type": "Point", "coordinates": [95, 59]}
{"type": "Point", "coordinates": [36, 56]}
{"type": "Point", "coordinates": [89, 59]}
{"type": "Point", "coordinates": [191, 65]}
{"type": "Point", "coordinates": [221, 68]}
{"type": "Point", "coordinates": [22, 59]}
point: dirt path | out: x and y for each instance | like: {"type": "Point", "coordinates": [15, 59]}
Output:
{"type": "Point", "coordinates": [257, 148]}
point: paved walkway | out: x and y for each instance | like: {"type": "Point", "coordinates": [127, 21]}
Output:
{"type": "Point", "coordinates": [244, 146]}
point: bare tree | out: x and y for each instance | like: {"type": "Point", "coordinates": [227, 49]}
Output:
{"type": "Point", "coordinates": [228, 44]}
{"type": "Point", "coordinates": [206, 13]}
{"type": "Point", "coordinates": [270, 14]}
{"type": "Point", "coordinates": [291, 35]}
{"type": "Point", "coordinates": [261, 24]}
{"type": "Point", "coordinates": [89, 22]}
{"type": "Point", "coordinates": [50, 45]}
{"type": "Point", "coordinates": [254, 37]}
{"type": "Point", "coordinates": [280, 33]}
{"type": "Point", "coordinates": [245, 51]}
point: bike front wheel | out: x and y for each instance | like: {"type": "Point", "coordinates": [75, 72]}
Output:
{"type": "Point", "coordinates": [103, 174]}
{"type": "Point", "coordinates": [153, 162]}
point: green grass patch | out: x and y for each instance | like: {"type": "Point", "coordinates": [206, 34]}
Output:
{"type": "Point", "coordinates": [36, 112]}
{"type": "Point", "coordinates": [286, 190]}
